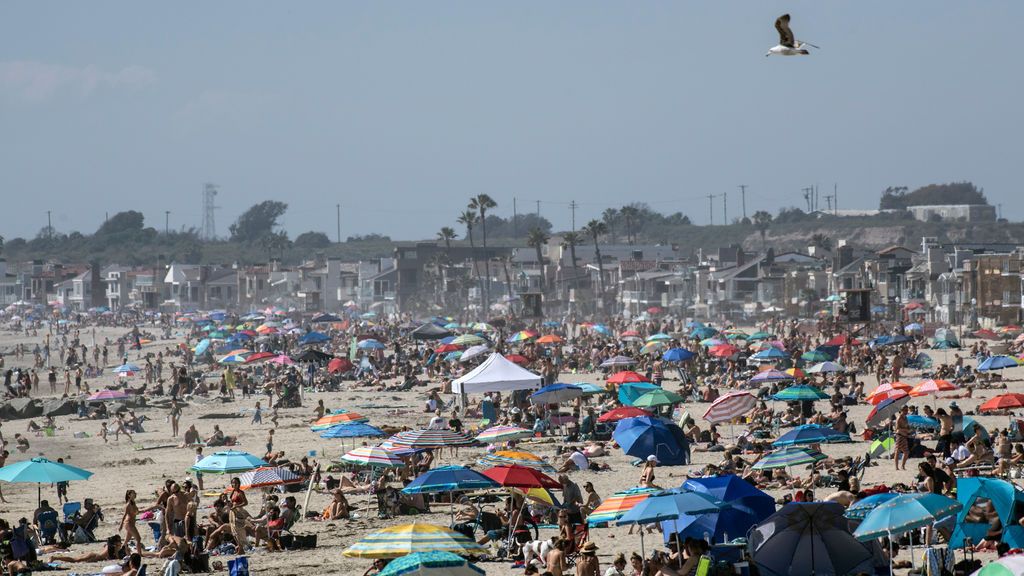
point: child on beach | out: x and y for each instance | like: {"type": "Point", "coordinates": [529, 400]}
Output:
{"type": "Point", "coordinates": [257, 416]}
{"type": "Point", "coordinates": [103, 431]}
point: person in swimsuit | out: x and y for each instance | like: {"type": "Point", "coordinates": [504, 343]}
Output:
{"type": "Point", "coordinates": [237, 514]}
{"type": "Point", "coordinates": [131, 510]}
{"type": "Point", "coordinates": [114, 549]}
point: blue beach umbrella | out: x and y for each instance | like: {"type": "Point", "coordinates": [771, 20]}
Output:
{"type": "Point", "coordinates": [648, 436]}
{"type": "Point", "coordinates": [997, 363]}
{"type": "Point", "coordinates": [811, 434]}
{"type": "Point", "coordinates": [354, 430]}
{"type": "Point", "coordinates": [670, 505]}
{"type": "Point", "coordinates": [41, 471]}
{"type": "Point", "coordinates": [431, 564]}
{"type": "Point", "coordinates": [769, 354]}
{"type": "Point", "coordinates": [630, 391]}
{"type": "Point", "coordinates": [904, 513]}
{"type": "Point", "coordinates": [314, 338]}
{"type": "Point", "coordinates": [449, 479]}
{"type": "Point", "coordinates": [556, 393]}
{"type": "Point", "coordinates": [228, 462]}
{"type": "Point", "coordinates": [861, 508]}
{"type": "Point", "coordinates": [677, 355]}
{"type": "Point", "coordinates": [370, 344]}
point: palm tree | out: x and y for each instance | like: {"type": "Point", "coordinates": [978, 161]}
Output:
{"type": "Point", "coordinates": [468, 218]}
{"type": "Point", "coordinates": [762, 220]}
{"type": "Point", "coordinates": [630, 214]}
{"type": "Point", "coordinates": [820, 240]}
{"type": "Point", "coordinates": [610, 218]}
{"type": "Point", "coordinates": [482, 203]}
{"type": "Point", "coordinates": [446, 235]}
{"type": "Point", "coordinates": [594, 229]}
{"type": "Point", "coordinates": [536, 239]}
{"type": "Point", "coordinates": [571, 240]}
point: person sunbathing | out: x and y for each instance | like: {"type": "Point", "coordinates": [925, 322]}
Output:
{"type": "Point", "coordinates": [113, 549]}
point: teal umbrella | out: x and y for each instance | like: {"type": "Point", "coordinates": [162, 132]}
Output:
{"type": "Point", "coordinates": [800, 392]}
{"type": "Point", "coordinates": [789, 456]}
{"type": "Point", "coordinates": [430, 563]}
{"type": "Point", "coordinates": [815, 356]}
{"type": "Point", "coordinates": [42, 471]}
{"type": "Point", "coordinates": [228, 462]}
{"type": "Point", "coordinates": [905, 513]}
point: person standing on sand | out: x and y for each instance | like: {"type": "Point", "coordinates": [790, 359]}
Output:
{"type": "Point", "coordinates": [131, 510]}
{"type": "Point", "coordinates": [174, 416]}
{"type": "Point", "coordinates": [257, 415]}
{"type": "Point", "coordinates": [901, 431]}
{"type": "Point", "coordinates": [199, 475]}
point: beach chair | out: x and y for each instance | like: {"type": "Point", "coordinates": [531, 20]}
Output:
{"type": "Point", "coordinates": [48, 526]}
{"type": "Point", "coordinates": [70, 510]}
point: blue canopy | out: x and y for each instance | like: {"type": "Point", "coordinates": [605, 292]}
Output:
{"type": "Point", "coordinates": [629, 392]}
{"type": "Point", "coordinates": [556, 393]}
{"type": "Point", "coordinates": [677, 355]}
{"type": "Point", "coordinates": [1004, 496]}
{"type": "Point", "coordinates": [745, 506]}
{"type": "Point", "coordinates": [354, 430]}
{"type": "Point", "coordinates": [449, 479]}
{"type": "Point", "coordinates": [314, 338]}
{"type": "Point", "coordinates": [645, 436]}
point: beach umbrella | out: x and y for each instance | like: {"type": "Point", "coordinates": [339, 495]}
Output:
{"type": "Point", "coordinates": [859, 509]}
{"type": "Point", "coordinates": [997, 363]}
{"type": "Point", "coordinates": [104, 395]}
{"type": "Point", "coordinates": [516, 458]}
{"type": "Point", "coordinates": [629, 334]}
{"type": "Point", "coordinates": [799, 393]}
{"type": "Point", "coordinates": [659, 397]}
{"type": "Point", "coordinates": [468, 340]}
{"type": "Point", "coordinates": [314, 338]}
{"type": "Point", "coordinates": [1009, 565]}
{"type": "Point", "coordinates": [702, 332]}
{"type": "Point", "coordinates": [660, 336]}
{"type": "Point", "coordinates": [896, 386]}
{"type": "Point", "coordinates": [922, 422]}
{"type": "Point", "coordinates": [227, 462]}
{"type": "Point", "coordinates": [886, 409]}
{"type": "Point", "coordinates": [430, 439]}
{"type": "Point", "coordinates": [233, 359]}
{"type": "Point", "coordinates": [815, 356]}
{"type": "Point", "coordinates": [516, 476]}
{"type": "Point", "coordinates": [669, 505]}
{"type": "Point", "coordinates": [375, 456]}
{"type": "Point", "coordinates": [473, 352]}
{"type": "Point", "coordinates": [259, 356]}
{"type": "Point", "coordinates": [986, 334]}
{"type": "Point", "coordinates": [398, 541]}
{"type": "Point", "coordinates": [633, 390]}
{"type": "Point", "coordinates": [590, 389]}
{"type": "Point", "coordinates": [788, 456]}
{"type": "Point", "coordinates": [41, 471]}
{"type": "Point", "coordinates": [825, 368]}
{"type": "Point", "coordinates": [626, 376]}
{"type": "Point", "coordinates": [550, 339]}
{"type": "Point", "coordinates": [430, 564]}
{"type": "Point", "coordinates": [616, 414]}
{"type": "Point", "coordinates": [449, 479]}
{"type": "Point", "coordinates": [677, 355]}
{"type": "Point", "coordinates": [352, 430]}
{"type": "Point", "coordinates": [806, 538]}
{"type": "Point", "coordinates": [443, 348]}
{"type": "Point", "coordinates": [652, 347]}
{"type": "Point", "coordinates": [730, 406]}
{"type": "Point", "coordinates": [126, 369]}
{"type": "Point", "coordinates": [709, 342]}
{"type": "Point", "coordinates": [314, 356]}
{"type": "Point", "coordinates": [429, 331]}
{"type": "Point", "coordinates": [745, 506]}
{"type": "Point", "coordinates": [736, 335]}
{"type": "Point", "coordinates": [556, 394]}
{"type": "Point", "coordinates": [339, 365]}
{"type": "Point", "coordinates": [1003, 402]}
{"type": "Point", "coordinates": [201, 347]}
{"type": "Point", "coordinates": [330, 420]}
{"type": "Point", "coordinates": [877, 398]}
{"type": "Point", "coordinates": [517, 359]}
{"type": "Point", "coordinates": [613, 507]}
{"type": "Point", "coordinates": [932, 386]}
{"type": "Point", "coordinates": [723, 350]}
{"type": "Point", "coordinates": [370, 344]}
{"type": "Point", "coordinates": [646, 436]}
{"type": "Point", "coordinates": [904, 513]}
{"type": "Point", "coordinates": [266, 476]}
{"type": "Point", "coordinates": [914, 327]}
{"type": "Point", "coordinates": [618, 361]}
{"type": "Point", "coordinates": [811, 434]}
{"type": "Point", "coordinates": [496, 434]}
{"type": "Point", "coordinates": [521, 336]}
{"type": "Point", "coordinates": [771, 376]}
{"type": "Point", "coordinates": [796, 373]}
{"type": "Point", "coordinates": [325, 318]}
{"type": "Point", "coordinates": [282, 359]}
{"type": "Point", "coordinates": [769, 354]}
{"type": "Point", "coordinates": [736, 492]}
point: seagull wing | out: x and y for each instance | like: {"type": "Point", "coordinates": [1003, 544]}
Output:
{"type": "Point", "coordinates": [785, 35]}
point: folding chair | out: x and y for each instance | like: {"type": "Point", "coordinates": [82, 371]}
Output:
{"type": "Point", "coordinates": [70, 510]}
{"type": "Point", "coordinates": [48, 526]}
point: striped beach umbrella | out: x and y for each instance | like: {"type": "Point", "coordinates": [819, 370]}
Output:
{"type": "Point", "coordinates": [373, 456]}
{"type": "Point", "coordinates": [516, 458]}
{"type": "Point", "coordinates": [789, 456]}
{"type": "Point", "coordinates": [932, 386]}
{"type": "Point", "coordinates": [826, 367]}
{"type": "Point", "coordinates": [265, 476]}
{"type": "Point", "coordinates": [503, 434]}
{"type": "Point", "coordinates": [407, 539]}
{"type": "Point", "coordinates": [430, 439]}
{"type": "Point", "coordinates": [334, 419]}
{"type": "Point", "coordinates": [468, 340]}
{"type": "Point", "coordinates": [730, 406]}
{"type": "Point", "coordinates": [618, 504]}
{"type": "Point", "coordinates": [771, 376]}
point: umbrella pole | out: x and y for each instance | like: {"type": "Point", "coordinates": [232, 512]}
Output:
{"type": "Point", "coordinates": [910, 536]}
{"type": "Point", "coordinates": [892, 560]}
{"type": "Point", "coordinates": [643, 553]}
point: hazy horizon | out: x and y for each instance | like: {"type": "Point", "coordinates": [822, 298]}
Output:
{"type": "Point", "coordinates": [401, 112]}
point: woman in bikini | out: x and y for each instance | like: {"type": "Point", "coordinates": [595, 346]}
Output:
{"type": "Point", "coordinates": [131, 510]}
{"type": "Point", "coordinates": [114, 549]}
{"type": "Point", "coordinates": [237, 514]}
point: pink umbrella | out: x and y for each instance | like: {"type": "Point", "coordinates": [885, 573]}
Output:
{"type": "Point", "coordinates": [730, 406]}
{"type": "Point", "coordinates": [282, 359]}
{"type": "Point", "coordinates": [108, 395]}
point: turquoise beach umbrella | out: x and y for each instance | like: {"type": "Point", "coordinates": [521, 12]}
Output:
{"type": "Point", "coordinates": [228, 462]}
{"type": "Point", "coordinates": [41, 471]}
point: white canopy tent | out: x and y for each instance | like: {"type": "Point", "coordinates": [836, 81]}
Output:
{"type": "Point", "coordinates": [496, 374]}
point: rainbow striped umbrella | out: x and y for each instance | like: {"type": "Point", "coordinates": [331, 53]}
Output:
{"type": "Point", "coordinates": [399, 541]}
{"type": "Point", "coordinates": [516, 458]}
{"type": "Point", "coordinates": [468, 340]}
{"type": "Point", "coordinates": [335, 419]}
{"type": "Point", "coordinates": [618, 504]}
{"type": "Point", "coordinates": [503, 434]}
{"type": "Point", "coordinates": [521, 336]}
{"type": "Point", "coordinates": [373, 456]}
{"type": "Point", "coordinates": [730, 406]}
{"type": "Point", "coordinates": [430, 439]}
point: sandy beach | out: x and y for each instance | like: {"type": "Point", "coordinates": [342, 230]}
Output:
{"type": "Point", "coordinates": [118, 465]}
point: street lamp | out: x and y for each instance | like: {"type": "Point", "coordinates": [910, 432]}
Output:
{"type": "Point", "coordinates": [974, 313]}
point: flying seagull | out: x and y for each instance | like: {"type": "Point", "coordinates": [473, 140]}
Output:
{"type": "Point", "coordinates": [788, 44]}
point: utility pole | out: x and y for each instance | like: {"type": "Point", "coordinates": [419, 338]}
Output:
{"type": "Point", "coordinates": [807, 197]}
{"type": "Point", "coordinates": [538, 212]}
{"type": "Point", "coordinates": [49, 226]}
{"type": "Point", "coordinates": [816, 204]}
{"type": "Point", "coordinates": [711, 210]}
{"type": "Point", "coordinates": [725, 208]}
{"type": "Point", "coordinates": [338, 206]}
{"type": "Point", "coordinates": [572, 206]}
{"type": "Point", "coordinates": [743, 198]}
{"type": "Point", "coordinates": [828, 202]}
{"type": "Point", "coordinates": [835, 196]}
{"type": "Point", "coordinates": [167, 222]}
{"type": "Point", "coordinates": [515, 219]}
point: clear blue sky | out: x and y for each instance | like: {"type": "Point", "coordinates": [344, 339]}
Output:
{"type": "Point", "coordinates": [402, 110]}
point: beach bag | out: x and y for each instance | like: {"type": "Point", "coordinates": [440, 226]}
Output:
{"type": "Point", "coordinates": [239, 566]}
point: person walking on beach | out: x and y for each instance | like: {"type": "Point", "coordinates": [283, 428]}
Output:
{"type": "Point", "coordinates": [901, 432]}
{"type": "Point", "coordinates": [175, 417]}
{"type": "Point", "coordinates": [257, 415]}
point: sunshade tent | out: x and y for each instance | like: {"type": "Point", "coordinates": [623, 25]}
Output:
{"type": "Point", "coordinates": [1005, 497]}
{"type": "Point", "coordinates": [646, 436]}
{"type": "Point", "coordinates": [227, 462]}
{"type": "Point", "coordinates": [406, 539]}
{"type": "Point", "coordinates": [41, 471]}
{"type": "Point", "coordinates": [807, 538]}
{"type": "Point", "coordinates": [430, 564]}
{"type": "Point", "coordinates": [430, 331]}
{"type": "Point", "coordinates": [496, 374]}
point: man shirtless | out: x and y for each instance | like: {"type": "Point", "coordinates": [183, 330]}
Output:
{"type": "Point", "coordinates": [177, 505]}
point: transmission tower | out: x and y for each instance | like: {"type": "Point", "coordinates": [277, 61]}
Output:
{"type": "Point", "coordinates": [209, 206]}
